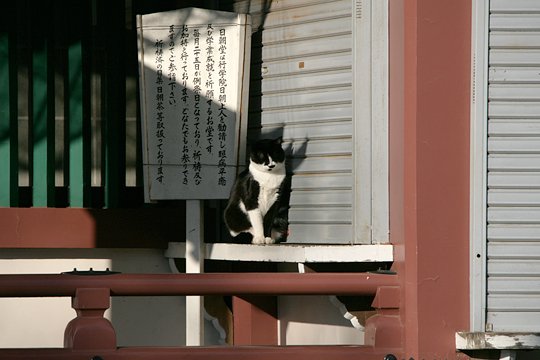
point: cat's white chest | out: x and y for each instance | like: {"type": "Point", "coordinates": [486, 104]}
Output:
{"type": "Point", "coordinates": [267, 198]}
{"type": "Point", "coordinates": [269, 184]}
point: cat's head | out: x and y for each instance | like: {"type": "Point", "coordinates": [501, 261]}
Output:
{"type": "Point", "coordinates": [267, 155]}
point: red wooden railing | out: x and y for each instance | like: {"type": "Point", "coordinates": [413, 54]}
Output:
{"type": "Point", "coordinates": [91, 336]}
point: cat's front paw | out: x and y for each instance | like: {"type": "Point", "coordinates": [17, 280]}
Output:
{"type": "Point", "coordinates": [258, 240]}
{"type": "Point", "coordinates": [269, 240]}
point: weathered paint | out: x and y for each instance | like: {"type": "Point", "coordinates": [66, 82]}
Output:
{"type": "Point", "coordinates": [497, 340]}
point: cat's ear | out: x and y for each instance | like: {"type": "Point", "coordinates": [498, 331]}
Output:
{"type": "Point", "coordinates": [278, 140]}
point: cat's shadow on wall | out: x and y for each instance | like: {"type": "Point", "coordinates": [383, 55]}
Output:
{"type": "Point", "coordinates": [295, 152]}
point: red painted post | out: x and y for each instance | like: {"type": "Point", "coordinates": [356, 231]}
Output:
{"type": "Point", "coordinates": [255, 320]}
{"type": "Point", "coordinates": [384, 329]}
{"type": "Point", "coordinates": [90, 330]}
{"type": "Point", "coordinates": [429, 121]}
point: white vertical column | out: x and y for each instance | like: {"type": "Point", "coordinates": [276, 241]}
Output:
{"type": "Point", "coordinates": [194, 265]}
{"type": "Point", "coordinates": [362, 131]}
{"type": "Point", "coordinates": [370, 121]}
{"type": "Point", "coordinates": [379, 120]}
{"type": "Point", "coordinates": [478, 165]}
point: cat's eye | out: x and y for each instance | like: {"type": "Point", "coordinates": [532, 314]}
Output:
{"type": "Point", "coordinates": [278, 156]}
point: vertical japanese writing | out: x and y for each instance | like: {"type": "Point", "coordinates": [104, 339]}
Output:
{"type": "Point", "coordinates": [222, 123]}
{"type": "Point", "coordinates": [197, 82]}
{"type": "Point", "coordinates": [193, 73]}
{"type": "Point", "coordinates": [160, 127]}
{"type": "Point", "coordinates": [209, 130]}
{"type": "Point", "coordinates": [191, 84]}
{"type": "Point", "coordinates": [171, 68]}
{"type": "Point", "coordinates": [185, 159]}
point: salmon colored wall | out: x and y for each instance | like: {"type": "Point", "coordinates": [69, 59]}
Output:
{"type": "Point", "coordinates": [90, 228]}
{"type": "Point", "coordinates": [429, 170]}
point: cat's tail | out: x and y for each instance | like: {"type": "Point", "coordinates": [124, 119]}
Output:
{"type": "Point", "coordinates": [280, 230]}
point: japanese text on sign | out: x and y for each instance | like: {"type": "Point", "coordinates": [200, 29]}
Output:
{"type": "Point", "coordinates": [191, 99]}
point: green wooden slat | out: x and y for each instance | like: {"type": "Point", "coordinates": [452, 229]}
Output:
{"type": "Point", "coordinates": [8, 121]}
{"type": "Point", "coordinates": [78, 163]}
{"type": "Point", "coordinates": [43, 190]}
{"type": "Point", "coordinates": [114, 102]}
{"type": "Point", "coordinates": [78, 102]}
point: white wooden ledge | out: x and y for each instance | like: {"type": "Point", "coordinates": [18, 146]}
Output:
{"type": "Point", "coordinates": [289, 253]}
{"type": "Point", "coordinates": [497, 340]}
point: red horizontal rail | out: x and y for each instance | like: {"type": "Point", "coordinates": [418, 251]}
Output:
{"type": "Point", "coordinates": [45, 285]}
{"type": "Point", "coordinates": [311, 352]}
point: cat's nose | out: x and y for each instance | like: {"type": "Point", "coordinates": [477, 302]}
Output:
{"type": "Point", "coordinates": [271, 166]}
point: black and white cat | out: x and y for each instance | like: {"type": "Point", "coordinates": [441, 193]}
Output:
{"type": "Point", "coordinates": [254, 204]}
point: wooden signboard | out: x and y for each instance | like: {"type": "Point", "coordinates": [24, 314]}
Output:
{"type": "Point", "coordinates": [194, 76]}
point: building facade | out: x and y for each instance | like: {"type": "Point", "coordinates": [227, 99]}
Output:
{"type": "Point", "coordinates": [412, 126]}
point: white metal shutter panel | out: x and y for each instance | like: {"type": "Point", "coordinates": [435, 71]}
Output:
{"type": "Point", "coordinates": [304, 93]}
{"type": "Point", "coordinates": [513, 212]}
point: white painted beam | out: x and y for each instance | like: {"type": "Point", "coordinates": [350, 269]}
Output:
{"type": "Point", "coordinates": [497, 340]}
{"type": "Point", "coordinates": [290, 253]}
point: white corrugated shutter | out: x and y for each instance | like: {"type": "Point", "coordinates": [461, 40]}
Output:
{"type": "Point", "coordinates": [513, 165]}
{"type": "Point", "coordinates": [304, 92]}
